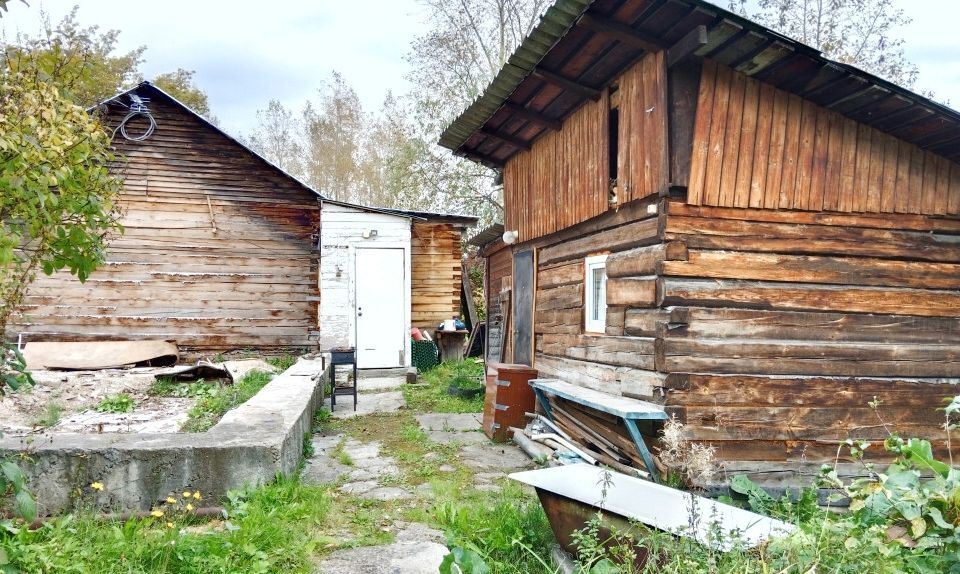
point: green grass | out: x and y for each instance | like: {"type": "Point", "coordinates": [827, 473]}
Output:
{"type": "Point", "coordinates": [270, 529]}
{"type": "Point", "coordinates": [430, 395]}
{"type": "Point", "coordinates": [50, 417]}
{"type": "Point", "coordinates": [210, 407]}
{"type": "Point", "coordinates": [119, 403]}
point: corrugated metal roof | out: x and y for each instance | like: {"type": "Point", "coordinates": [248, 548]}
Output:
{"type": "Point", "coordinates": [733, 41]}
{"type": "Point", "coordinates": [554, 24]}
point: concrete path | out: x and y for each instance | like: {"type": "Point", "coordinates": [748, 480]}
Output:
{"type": "Point", "coordinates": [417, 549]}
{"type": "Point", "coordinates": [375, 395]}
{"type": "Point", "coordinates": [359, 468]}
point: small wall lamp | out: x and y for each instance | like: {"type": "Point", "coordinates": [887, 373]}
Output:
{"type": "Point", "coordinates": [510, 237]}
{"type": "Point", "coordinates": [369, 233]}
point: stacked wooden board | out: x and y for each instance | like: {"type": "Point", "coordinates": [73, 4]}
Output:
{"type": "Point", "coordinates": [217, 251]}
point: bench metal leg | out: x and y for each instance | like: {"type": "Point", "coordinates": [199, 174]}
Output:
{"type": "Point", "coordinates": [542, 399]}
{"type": "Point", "coordinates": [642, 449]}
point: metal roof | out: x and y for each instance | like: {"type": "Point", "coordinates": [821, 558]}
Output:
{"type": "Point", "coordinates": [580, 46]}
{"type": "Point", "coordinates": [488, 235]}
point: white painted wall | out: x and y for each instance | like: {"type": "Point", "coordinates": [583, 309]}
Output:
{"type": "Point", "coordinates": [341, 234]}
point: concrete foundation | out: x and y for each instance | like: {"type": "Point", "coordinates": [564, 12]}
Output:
{"type": "Point", "coordinates": [251, 444]}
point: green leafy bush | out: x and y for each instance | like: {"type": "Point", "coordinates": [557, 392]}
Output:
{"type": "Point", "coordinates": [119, 403]}
{"type": "Point", "coordinates": [13, 369]}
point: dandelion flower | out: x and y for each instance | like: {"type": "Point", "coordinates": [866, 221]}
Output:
{"type": "Point", "coordinates": [186, 494]}
{"type": "Point", "coordinates": [156, 513]}
{"type": "Point", "coordinates": [169, 525]}
{"type": "Point", "coordinates": [189, 507]}
{"type": "Point", "coordinates": [171, 500]}
{"type": "Point", "coordinates": [196, 495]}
{"type": "Point", "coordinates": [98, 486]}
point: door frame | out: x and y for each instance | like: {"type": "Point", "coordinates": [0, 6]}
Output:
{"type": "Point", "coordinates": [407, 286]}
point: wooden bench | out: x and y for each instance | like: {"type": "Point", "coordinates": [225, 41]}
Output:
{"type": "Point", "coordinates": [630, 410]}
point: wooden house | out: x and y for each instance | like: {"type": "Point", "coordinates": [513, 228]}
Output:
{"type": "Point", "coordinates": [223, 250]}
{"type": "Point", "coordinates": [382, 271]}
{"type": "Point", "coordinates": [716, 218]}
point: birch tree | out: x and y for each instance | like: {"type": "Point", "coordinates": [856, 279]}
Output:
{"type": "Point", "coordinates": [862, 33]}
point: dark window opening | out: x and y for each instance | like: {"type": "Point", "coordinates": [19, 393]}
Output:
{"type": "Point", "coordinates": [613, 137]}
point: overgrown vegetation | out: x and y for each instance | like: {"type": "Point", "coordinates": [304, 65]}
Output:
{"type": "Point", "coordinates": [219, 399]}
{"type": "Point", "coordinates": [430, 395]}
{"type": "Point", "coordinates": [13, 370]}
{"type": "Point", "coordinates": [118, 403]}
{"type": "Point", "coordinates": [266, 530]}
{"type": "Point", "coordinates": [904, 517]}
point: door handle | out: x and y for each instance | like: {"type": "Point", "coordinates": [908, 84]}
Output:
{"type": "Point", "coordinates": [359, 311]}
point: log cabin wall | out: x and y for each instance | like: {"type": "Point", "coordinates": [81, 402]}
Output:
{"type": "Point", "coordinates": [437, 272]}
{"type": "Point", "coordinates": [621, 360]}
{"type": "Point", "coordinates": [565, 178]}
{"type": "Point", "coordinates": [761, 147]}
{"type": "Point", "coordinates": [781, 327]}
{"type": "Point", "coordinates": [217, 253]}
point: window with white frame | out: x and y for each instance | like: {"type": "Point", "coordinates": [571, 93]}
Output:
{"type": "Point", "coordinates": [595, 283]}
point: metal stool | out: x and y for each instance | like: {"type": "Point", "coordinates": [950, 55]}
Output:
{"type": "Point", "coordinates": [342, 356]}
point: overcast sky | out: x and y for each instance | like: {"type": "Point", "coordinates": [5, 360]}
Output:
{"type": "Point", "coordinates": [246, 53]}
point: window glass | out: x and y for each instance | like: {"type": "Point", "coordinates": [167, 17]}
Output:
{"type": "Point", "coordinates": [595, 280]}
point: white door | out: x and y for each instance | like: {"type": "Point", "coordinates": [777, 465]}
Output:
{"type": "Point", "coordinates": [381, 302]}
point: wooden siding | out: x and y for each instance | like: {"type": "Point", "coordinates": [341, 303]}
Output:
{"type": "Point", "coordinates": [437, 273]}
{"type": "Point", "coordinates": [564, 178]}
{"type": "Point", "coordinates": [217, 251]}
{"type": "Point", "coordinates": [780, 327]}
{"type": "Point", "coordinates": [642, 148]}
{"type": "Point", "coordinates": [760, 147]}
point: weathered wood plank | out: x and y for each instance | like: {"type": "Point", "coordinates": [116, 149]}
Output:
{"type": "Point", "coordinates": [632, 291]}
{"type": "Point", "coordinates": [792, 296]}
{"type": "Point", "coordinates": [815, 269]}
{"type": "Point", "coordinates": [643, 232]}
{"type": "Point", "coordinates": [644, 260]}
{"type": "Point", "coordinates": [754, 357]}
{"type": "Point", "coordinates": [729, 234]}
{"type": "Point", "coordinates": [643, 322]}
{"type": "Point", "coordinates": [707, 323]}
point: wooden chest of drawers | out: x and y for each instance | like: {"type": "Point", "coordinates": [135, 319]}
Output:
{"type": "Point", "coordinates": [508, 396]}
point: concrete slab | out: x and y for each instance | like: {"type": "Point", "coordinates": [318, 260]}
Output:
{"type": "Point", "coordinates": [251, 444]}
{"type": "Point", "coordinates": [446, 437]}
{"type": "Point", "coordinates": [323, 470]}
{"type": "Point", "coordinates": [450, 421]}
{"type": "Point", "coordinates": [387, 493]}
{"type": "Point", "coordinates": [416, 550]}
{"type": "Point", "coordinates": [373, 384]}
{"type": "Point", "coordinates": [494, 457]}
{"type": "Point", "coordinates": [367, 404]}
{"type": "Point", "coordinates": [359, 451]}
